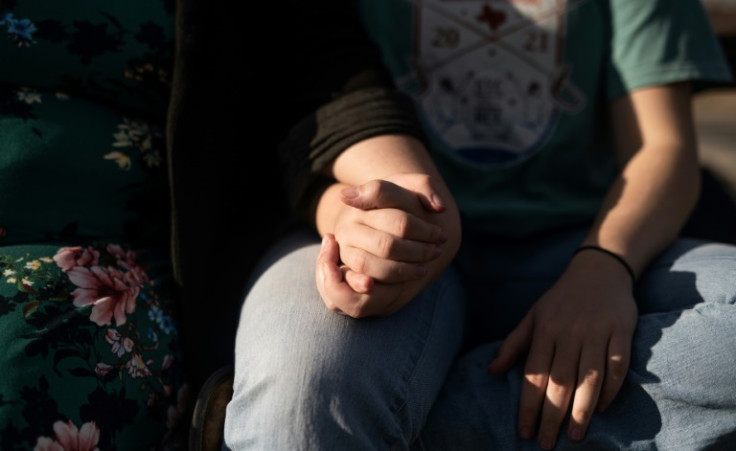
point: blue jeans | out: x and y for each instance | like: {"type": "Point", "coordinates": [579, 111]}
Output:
{"type": "Point", "coordinates": [309, 379]}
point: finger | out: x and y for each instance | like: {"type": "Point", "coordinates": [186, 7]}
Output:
{"type": "Point", "coordinates": [327, 270]}
{"type": "Point", "coordinates": [404, 225]}
{"type": "Point", "coordinates": [560, 388]}
{"type": "Point", "coordinates": [617, 365]}
{"type": "Point", "coordinates": [380, 194]}
{"type": "Point", "coordinates": [418, 194]}
{"type": "Point", "coordinates": [515, 344]}
{"type": "Point", "coordinates": [360, 283]}
{"type": "Point", "coordinates": [384, 244]}
{"type": "Point", "coordinates": [380, 301]}
{"type": "Point", "coordinates": [331, 284]}
{"type": "Point", "coordinates": [383, 270]}
{"type": "Point", "coordinates": [534, 384]}
{"type": "Point", "coordinates": [428, 195]}
{"type": "Point", "coordinates": [590, 380]}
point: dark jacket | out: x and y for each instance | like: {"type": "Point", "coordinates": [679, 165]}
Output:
{"type": "Point", "coordinates": [264, 95]}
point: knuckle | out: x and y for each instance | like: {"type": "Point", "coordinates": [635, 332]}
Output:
{"type": "Point", "coordinates": [401, 225]}
{"type": "Point", "coordinates": [546, 329]}
{"type": "Point", "coordinates": [435, 233]}
{"type": "Point", "coordinates": [592, 378]}
{"type": "Point", "coordinates": [617, 367]}
{"type": "Point", "coordinates": [429, 250]}
{"type": "Point", "coordinates": [372, 188]}
{"type": "Point", "coordinates": [386, 244]}
{"type": "Point", "coordinates": [358, 263]}
{"type": "Point", "coordinates": [582, 414]}
{"type": "Point", "coordinates": [356, 310]}
{"type": "Point", "coordinates": [370, 192]}
{"type": "Point", "coordinates": [425, 181]}
{"type": "Point", "coordinates": [559, 383]}
{"type": "Point", "coordinates": [535, 380]}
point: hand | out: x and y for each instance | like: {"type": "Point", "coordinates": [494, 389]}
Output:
{"type": "Point", "coordinates": [578, 336]}
{"type": "Point", "coordinates": [389, 232]}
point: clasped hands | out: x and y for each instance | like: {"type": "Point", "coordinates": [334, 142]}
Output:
{"type": "Point", "coordinates": [387, 236]}
{"type": "Point", "coordinates": [576, 338]}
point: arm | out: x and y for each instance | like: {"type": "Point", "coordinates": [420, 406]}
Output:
{"type": "Point", "coordinates": [341, 121]}
{"type": "Point", "coordinates": [424, 223]}
{"type": "Point", "coordinates": [659, 185]}
{"type": "Point", "coordinates": [579, 333]}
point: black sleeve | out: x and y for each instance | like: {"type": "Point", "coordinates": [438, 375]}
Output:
{"type": "Point", "coordinates": [336, 92]}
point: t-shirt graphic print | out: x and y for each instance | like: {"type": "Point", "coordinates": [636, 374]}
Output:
{"type": "Point", "coordinates": [491, 74]}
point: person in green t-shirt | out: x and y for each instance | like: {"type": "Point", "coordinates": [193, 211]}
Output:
{"type": "Point", "coordinates": [504, 270]}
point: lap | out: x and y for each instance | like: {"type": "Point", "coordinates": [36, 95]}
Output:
{"type": "Point", "coordinates": [678, 392]}
{"type": "Point", "coordinates": [383, 372]}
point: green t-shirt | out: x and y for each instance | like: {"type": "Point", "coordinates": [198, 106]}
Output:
{"type": "Point", "coordinates": [514, 94]}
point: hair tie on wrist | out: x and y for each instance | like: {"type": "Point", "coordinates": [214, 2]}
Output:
{"type": "Point", "coordinates": [612, 254]}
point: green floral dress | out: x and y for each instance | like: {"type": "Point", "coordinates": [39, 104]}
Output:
{"type": "Point", "coordinates": [90, 351]}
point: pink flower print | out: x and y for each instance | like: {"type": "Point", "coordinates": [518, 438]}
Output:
{"type": "Point", "coordinates": [107, 289]}
{"type": "Point", "coordinates": [120, 344]}
{"type": "Point", "coordinates": [67, 258]}
{"type": "Point", "coordinates": [124, 258]}
{"type": "Point", "coordinates": [137, 367]}
{"type": "Point", "coordinates": [102, 369]}
{"type": "Point", "coordinates": [69, 438]}
{"type": "Point", "coordinates": [168, 360]}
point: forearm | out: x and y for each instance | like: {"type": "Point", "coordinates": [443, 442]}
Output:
{"type": "Point", "coordinates": [646, 208]}
{"type": "Point", "coordinates": [375, 159]}
{"type": "Point", "coordinates": [658, 186]}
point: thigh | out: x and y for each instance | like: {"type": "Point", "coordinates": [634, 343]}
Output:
{"type": "Point", "coordinates": [688, 272]}
{"type": "Point", "coordinates": [305, 374]}
{"type": "Point", "coordinates": [679, 391]}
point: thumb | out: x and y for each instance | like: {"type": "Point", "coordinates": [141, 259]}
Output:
{"type": "Point", "coordinates": [377, 194]}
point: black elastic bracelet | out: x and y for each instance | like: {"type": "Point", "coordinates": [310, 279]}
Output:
{"type": "Point", "coordinates": [612, 254]}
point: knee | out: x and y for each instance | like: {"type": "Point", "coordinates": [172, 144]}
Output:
{"type": "Point", "coordinates": [689, 273]}
{"type": "Point", "coordinates": [309, 397]}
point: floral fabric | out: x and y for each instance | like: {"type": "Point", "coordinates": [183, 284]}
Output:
{"type": "Point", "coordinates": [91, 350]}
{"type": "Point", "coordinates": [91, 356]}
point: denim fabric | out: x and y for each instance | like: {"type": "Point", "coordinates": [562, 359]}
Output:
{"type": "Point", "coordinates": [308, 379]}
{"type": "Point", "coordinates": [680, 392]}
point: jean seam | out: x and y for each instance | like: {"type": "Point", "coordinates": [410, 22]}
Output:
{"type": "Point", "coordinates": [431, 321]}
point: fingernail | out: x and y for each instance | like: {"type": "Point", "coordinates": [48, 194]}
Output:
{"type": "Point", "coordinates": [437, 201]}
{"type": "Point", "coordinates": [576, 434]}
{"type": "Point", "coordinates": [437, 251]}
{"type": "Point", "coordinates": [324, 243]}
{"type": "Point", "coordinates": [350, 192]}
{"type": "Point", "coordinates": [443, 235]}
{"type": "Point", "coordinates": [546, 443]}
{"type": "Point", "coordinates": [420, 270]}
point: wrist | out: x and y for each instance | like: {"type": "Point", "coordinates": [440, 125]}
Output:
{"type": "Point", "coordinates": [605, 265]}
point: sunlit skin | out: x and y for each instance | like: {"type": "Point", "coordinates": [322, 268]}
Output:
{"type": "Point", "coordinates": [578, 335]}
